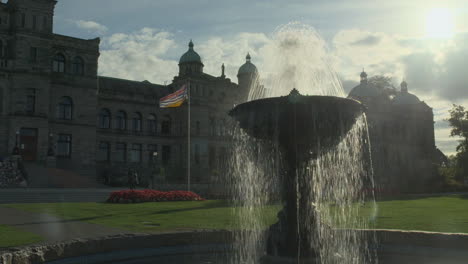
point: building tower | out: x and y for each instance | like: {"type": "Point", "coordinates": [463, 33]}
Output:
{"type": "Point", "coordinates": [190, 63]}
{"type": "Point", "coordinates": [248, 81]}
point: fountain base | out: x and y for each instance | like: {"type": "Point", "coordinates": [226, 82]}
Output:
{"type": "Point", "coordinates": [284, 260]}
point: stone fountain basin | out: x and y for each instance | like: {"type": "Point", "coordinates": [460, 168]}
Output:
{"type": "Point", "coordinates": [308, 122]}
{"type": "Point", "coordinates": [394, 246]}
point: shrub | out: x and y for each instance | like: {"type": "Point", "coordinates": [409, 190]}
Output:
{"type": "Point", "coordinates": [140, 196]}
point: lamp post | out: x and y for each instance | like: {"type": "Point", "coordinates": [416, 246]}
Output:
{"type": "Point", "coordinates": [16, 150]}
{"type": "Point", "coordinates": [155, 158]}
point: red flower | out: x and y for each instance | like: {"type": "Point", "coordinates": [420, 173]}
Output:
{"type": "Point", "coordinates": [152, 196]}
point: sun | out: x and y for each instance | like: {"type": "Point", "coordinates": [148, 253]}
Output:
{"type": "Point", "coordinates": [440, 23]}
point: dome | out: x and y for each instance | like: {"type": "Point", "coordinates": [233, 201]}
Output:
{"type": "Point", "coordinates": [364, 90]}
{"type": "Point", "coordinates": [191, 55]}
{"type": "Point", "coordinates": [248, 66]}
{"type": "Point", "coordinates": [406, 99]}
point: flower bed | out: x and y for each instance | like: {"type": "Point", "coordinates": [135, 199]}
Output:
{"type": "Point", "coordinates": [141, 196]}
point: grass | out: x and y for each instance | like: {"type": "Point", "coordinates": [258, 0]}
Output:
{"type": "Point", "coordinates": [150, 217]}
{"type": "Point", "coordinates": [12, 237]}
{"type": "Point", "coordinates": [440, 214]}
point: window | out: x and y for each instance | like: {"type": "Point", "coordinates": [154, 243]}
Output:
{"type": "Point", "coordinates": [58, 64]}
{"type": "Point", "coordinates": [23, 20]}
{"type": "Point", "coordinates": [166, 125]}
{"type": "Point", "coordinates": [2, 54]}
{"type": "Point", "coordinates": [104, 119]}
{"type": "Point", "coordinates": [153, 153]}
{"type": "Point", "coordinates": [65, 108]}
{"type": "Point", "coordinates": [64, 145]}
{"type": "Point", "coordinates": [166, 155]}
{"type": "Point", "coordinates": [212, 127]}
{"type": "Point", "coordinates": [212, 157]}
{"type": "Point", "coordinates": [136, 122]}
{"type": "Point", "coordinates": [135, 153]}
{"type": "Point", "coordinates": [121, 120]}
{"type": "Point", "coordinates": [121, 152]}
{"type": "Point", "coordinates": [197, 154]}
{"type": "Point", "coordinates": [44, 22]}
{"type": "Point", "coordinates": [30, 101]}
{"type": "Point", "coordinates": [103, 151]}
{"type": "Point", "coordinates": [34, 22]}
{"type": "Point", "coordinates": [78, 66]}
{"type": "Point", "coordinates": [197, 128]}
{"type": "Point", "coordinates": [33, 54]}
{"type": "Point", "coordinates": [152, 124]}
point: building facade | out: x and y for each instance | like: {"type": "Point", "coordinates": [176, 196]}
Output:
{"type": "Point", "coordinates": [56, 111]}
{"type": "Point", "coordinates": [54, 106]}
{"type": "Point", "coordinates": [401, 131]}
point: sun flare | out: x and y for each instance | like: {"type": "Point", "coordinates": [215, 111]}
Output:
{"type": "Point", "coordinates": [440, 23]}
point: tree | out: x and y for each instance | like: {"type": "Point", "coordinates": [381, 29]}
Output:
{"type": "Point", "coordinates": [384, 84]}
{"type": "Point", "coordinates": [459, 122]}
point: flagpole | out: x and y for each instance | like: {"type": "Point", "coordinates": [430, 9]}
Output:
{"type": "Point", "coordinates": [188, 139]}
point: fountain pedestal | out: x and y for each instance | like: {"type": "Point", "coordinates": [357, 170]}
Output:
{"type": "Point", "coordinates": [303, 127]}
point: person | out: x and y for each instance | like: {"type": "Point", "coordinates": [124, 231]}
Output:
{"type": "Point", "coordinates": [130, 178]}
{"type": "Point", "coordinates": [136, 182]}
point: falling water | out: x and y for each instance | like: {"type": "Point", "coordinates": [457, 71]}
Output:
{"type": "Point", "coordinates": [341, 182]}
{"type": "Point", "coordinates": [254, 182]}
{"type": "Point", "coordinates": [298, 58]}
{"type": "Point", "coordinates": [340, 179]}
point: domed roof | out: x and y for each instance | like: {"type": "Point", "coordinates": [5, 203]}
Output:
{"type": "Point", "coordinates": [248, 66]}
{"type": "Point", "coordinates": [191, 55]}
{"type": "Point", "coordinates": [364, 90]}
{"type": "Point", "coordinates": [405, 98]}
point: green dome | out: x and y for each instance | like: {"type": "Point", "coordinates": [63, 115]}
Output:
{"type": "Point", "coordinates": [248, 66]}
{"type": "Point", "coordinates": [191, 55]}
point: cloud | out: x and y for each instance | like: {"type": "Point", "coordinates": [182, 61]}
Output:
{"type": "Point", "coordinates": [367, 41]}
{"type": "Point", "coordinates": [141, 55]}
{"type": "Point", "coordinates": [90, 26]}
{"type": "Point", "coordinates": [436, 75]}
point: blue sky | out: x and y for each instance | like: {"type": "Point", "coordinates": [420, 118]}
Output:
{"type": "Point", "coordinates": [143, 39]}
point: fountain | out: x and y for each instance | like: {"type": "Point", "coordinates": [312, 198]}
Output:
{"type": "Point", "coordinates": [304, 128]}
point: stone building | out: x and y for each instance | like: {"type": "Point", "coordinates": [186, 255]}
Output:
{"type": "Point", "coordinates": [58, 112]}
{"type": "Point", "coordinates": [401, 130]}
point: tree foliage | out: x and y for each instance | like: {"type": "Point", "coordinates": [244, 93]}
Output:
{"type": "Point", "coordinates": [459, 122]}
{"type": "Point", "coordinates": [383, 83]}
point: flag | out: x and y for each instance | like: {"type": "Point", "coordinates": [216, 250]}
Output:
{"type": "Point", "coordinates": [174, 99]}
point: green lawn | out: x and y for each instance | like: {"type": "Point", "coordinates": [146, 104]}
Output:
{"type": "Point", "coordinates": [11, 237]}
{"type": "Point", "coordinates": [150, 217]}
{"type": "Point", "coordinates": [440, 214]}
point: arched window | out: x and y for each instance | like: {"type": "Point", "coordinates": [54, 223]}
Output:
{"type": "Point", "coordinates": [121, 120]}
{"type": "Point", "coordinates": [58, 64]}
{"type": "Point", "coordinates": [78, 66]}
{"type": "Point", "coordinates": [212, 127]}
{"type": "Point", "coordinates": [136, 122]}
{"type": "Point", "coordinates": [104, 119]}
{"type": "Point", "coordinates": [152, 124]}
{"type": "Point", "coordinates": [65, 108]}
{"type": "Point", "coordinates": [197, 128]}
{"type": "Point", "coordinates": [166, 125]}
